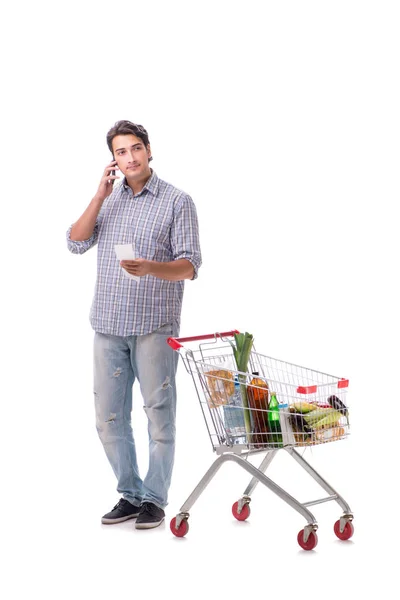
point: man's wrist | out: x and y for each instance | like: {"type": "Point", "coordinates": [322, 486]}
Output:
{"type": "Point", "coordinates": [97, 200]}
{"type": "Point", "coordinates": [152, 267]}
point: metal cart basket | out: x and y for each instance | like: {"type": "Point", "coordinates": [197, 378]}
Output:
{"type": "Point", "coordinates": [276, 406]}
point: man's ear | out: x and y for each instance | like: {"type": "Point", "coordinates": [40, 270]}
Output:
{"type": "Point", "coordinates": [149, 152]}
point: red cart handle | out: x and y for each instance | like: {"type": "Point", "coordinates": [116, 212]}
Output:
{"type": "Point", "coordinates": [175, 343]}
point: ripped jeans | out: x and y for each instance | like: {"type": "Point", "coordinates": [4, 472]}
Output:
{"type": "Point", "coordinates": [118, 361]}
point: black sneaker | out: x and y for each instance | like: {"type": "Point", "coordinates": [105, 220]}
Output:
{"type": "Point", "coordinates": [122, 511]}
{"type": "Point", "coordinates": [150, 516]}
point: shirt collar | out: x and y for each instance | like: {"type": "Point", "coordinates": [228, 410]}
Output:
{"type": "Point", "coordinates": [150, 185]}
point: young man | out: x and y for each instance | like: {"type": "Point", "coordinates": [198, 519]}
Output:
{"type": "Point", "coordinates": [132, 318]}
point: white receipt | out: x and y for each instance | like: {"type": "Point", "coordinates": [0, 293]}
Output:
{"type": "Point", "coordinates": [126, 252]}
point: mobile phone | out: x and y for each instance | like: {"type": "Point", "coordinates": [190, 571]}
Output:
{"type": "Point", "coordinates": [112, 173]}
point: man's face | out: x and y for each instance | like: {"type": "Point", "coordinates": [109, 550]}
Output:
{"type": "Point", "coordinates": [132, 156]}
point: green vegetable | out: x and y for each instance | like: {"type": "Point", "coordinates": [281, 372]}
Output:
{"type": "Point", "coordinates": [325, 418]}
{"type": "Point", "coordinates": [241, 351]}
{"type": "Point", "coordinates": [320, 413]}
{"type": "Point", "coordinates": [329, 421]}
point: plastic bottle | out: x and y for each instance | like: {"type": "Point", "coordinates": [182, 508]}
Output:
{"type": "Point", "coordinates": [275, 437]}
{"type": "Point", "coordinates": [257, 396]}
{"type": "Point", "coordinates": [236, 398]}
{"type": "Point", "coordinates": [234, 417]}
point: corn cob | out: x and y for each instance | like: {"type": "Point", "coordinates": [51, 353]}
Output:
{"type": "Point", "coordinates": [331, 420]}
{"type": "Point", "coordinates": [316, 415]}
{"type": "Point", "coordinates": [304, 407]}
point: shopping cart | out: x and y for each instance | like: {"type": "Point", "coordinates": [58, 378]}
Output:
{"type": "Point", "coordinates": [312, 410]}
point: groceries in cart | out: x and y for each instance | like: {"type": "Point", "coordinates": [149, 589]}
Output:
{"type": "Point", "coordinates": [276, 404]}
{"type": "Point", "coordinates": [316, 422]}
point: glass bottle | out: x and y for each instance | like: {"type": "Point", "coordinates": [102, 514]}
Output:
{"type": "Point", "coordinates": [257, 396]}
{"type": "Point", "coordinates": [275, 436]}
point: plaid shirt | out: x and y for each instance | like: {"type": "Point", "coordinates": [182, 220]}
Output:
{"type": "Point", "coordinates": [161, 222]}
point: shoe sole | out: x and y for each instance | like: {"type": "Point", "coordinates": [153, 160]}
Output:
{"type": "Point", "coordinates": [106, 521]}
{"type": "Point", "coordinates": [148, 525]}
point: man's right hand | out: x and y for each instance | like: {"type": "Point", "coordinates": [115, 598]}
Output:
{"type": "Point", "coordinates": [106, 184]}
{"type": "Point", "coordinates": [84, 227]}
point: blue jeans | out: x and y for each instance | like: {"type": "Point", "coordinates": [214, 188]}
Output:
{"type": "Point", "coordinates": [118, 361]}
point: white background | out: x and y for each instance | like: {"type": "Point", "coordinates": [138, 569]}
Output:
{"type": "Point", "coordinates": [281, 119]}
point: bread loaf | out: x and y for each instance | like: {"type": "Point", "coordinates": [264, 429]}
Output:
{"type": "Point", "coordinates": [220, 386]}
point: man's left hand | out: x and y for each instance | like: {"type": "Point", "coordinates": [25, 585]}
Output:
{"type": "Point", "coordinates": [138, 267]}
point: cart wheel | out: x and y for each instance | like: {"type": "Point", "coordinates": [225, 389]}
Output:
{"type": "Point", "coordinates": [347, 531]}
{"type": "Point", "coordinates": [181, 530]}
{"type": "Point", "coordinates": [310, 543]}
{"type": "Point", "coordinates": [241, 516]}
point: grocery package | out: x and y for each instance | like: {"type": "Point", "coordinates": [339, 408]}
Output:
{"type": "Point", "coordinates": [220, 386]}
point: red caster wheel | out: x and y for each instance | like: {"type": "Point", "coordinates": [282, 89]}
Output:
{"type": "Point", "coordinates": [181, 530]}
{"type": "Point", "coordinates": [244, 514]}
{"type": "Point", "coordinates": [310, 543]}
{"type": "Point", "coordinates": [347, 531]}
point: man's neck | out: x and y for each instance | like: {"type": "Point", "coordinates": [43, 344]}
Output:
{"type": "Point", "coordinates": [138, 184]}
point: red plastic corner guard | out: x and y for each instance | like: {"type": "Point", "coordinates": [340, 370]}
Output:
{"type": "Point", "coordinates": [310, 389]}
{"type": "Point", "coordinates": [173, 343]}
{"type": "Point", "coordinates": [343, 383]}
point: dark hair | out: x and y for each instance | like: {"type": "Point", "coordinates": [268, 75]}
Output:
{"type": "Point", "coordinates": [128, 128]}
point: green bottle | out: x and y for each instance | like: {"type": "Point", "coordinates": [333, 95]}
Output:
{"type": "Point", "coordinates": [275, 432]}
